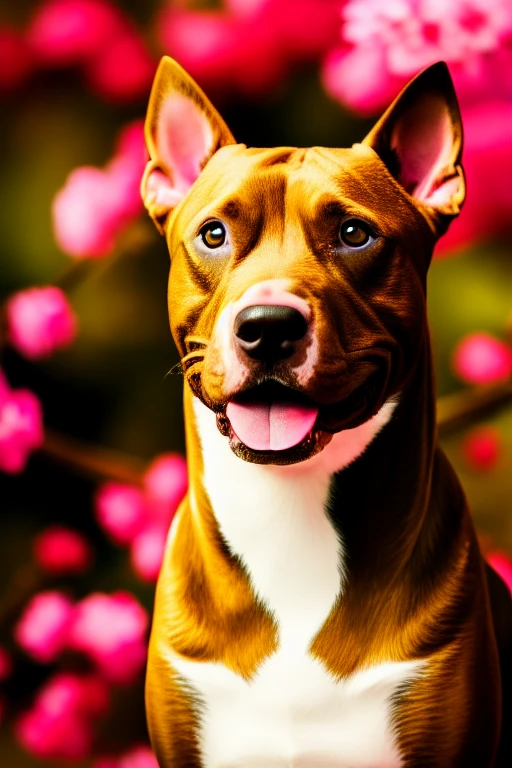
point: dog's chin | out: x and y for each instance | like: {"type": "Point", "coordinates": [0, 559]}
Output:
{"type": "Point", "coordinates": [312, 444]}
{"type": "Point", "coordinates": [347, 413]}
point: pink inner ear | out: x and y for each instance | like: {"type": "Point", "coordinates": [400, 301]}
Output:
{"type": "Point", "coordinates": [424, 140]}
{"type": "Point", "coordinates": [184, 139]}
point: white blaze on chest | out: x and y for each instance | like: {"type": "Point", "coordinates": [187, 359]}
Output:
{"type": "Point", "coordinates": [292, 713]}
{"type": "Point", "coordinates": [274, 519]}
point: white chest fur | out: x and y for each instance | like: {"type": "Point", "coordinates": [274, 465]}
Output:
{"type": "Point", "coordinates": [293, 713]}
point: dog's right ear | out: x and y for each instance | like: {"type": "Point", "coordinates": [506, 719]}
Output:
{"type": "Point", "coordinates": [183, 130]}
{"type": "Point", "coordinates": [419, 138]}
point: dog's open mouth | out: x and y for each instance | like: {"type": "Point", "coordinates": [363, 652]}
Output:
{"type": "Point", "coordinates": [271, 417]}
{"type": "Point", "coordinates": [273, 423]}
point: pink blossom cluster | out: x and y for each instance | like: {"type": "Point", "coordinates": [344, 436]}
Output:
{"type": "Point", "coordinates": [139, 757]}
{"type": "Point", "coordinates": [140, 517]}
{"type": "Point", "coordinates": [5, 673]}
{"type": "Point", "coordinates": [502, 564]}
{"type": "Point", "coordinates": [480, 358]}
{"type": "Point", "coordinates": [110, 630]}
{"type": "Point", "coordinates": [40, 321]}
{"type": "Point", "coordinates": [21, 426]}
{"type": "Point", "coordinates": [95, 205]}
{"type": "Point", "coordinates": [61, 551]}
{"type": "Point", "coordinates": [383, 45]}
{"type": "Point", "coordinates": [482, 448]}
{"type": "Point", "coordinates": [60, 723]}
{"type": "Point", "coordinates": [249, 45]}
{"type": "Point", "coordinates": [94, 35]}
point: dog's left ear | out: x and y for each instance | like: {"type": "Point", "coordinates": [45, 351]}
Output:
{"type": "Point", "coordinates": [419, 138]}
{"type": "Point", "coordinates": [183, 130]}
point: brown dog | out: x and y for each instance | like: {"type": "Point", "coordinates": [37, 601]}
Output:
{"type": "Point", "coordinates": [323, 601]}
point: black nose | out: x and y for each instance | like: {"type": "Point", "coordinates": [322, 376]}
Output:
{"type": "Point", "coordinates": [268, 332]}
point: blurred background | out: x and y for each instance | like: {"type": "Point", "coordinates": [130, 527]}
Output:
{"type": "Point", "coordinates": [91, 432]}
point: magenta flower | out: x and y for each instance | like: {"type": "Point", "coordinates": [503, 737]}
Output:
{"type": "Point", "coordinates": [166, 480]}
{"type": "Point", "coordinates": [219, 48]}
{"type": "Point", "coordinates": [121, 511]}
{"type": "Point", "coordinates": [64, 32]}
{"type": "Point", "coordinates": [141, 518]}
{"type": "Point", "coordinates": [123, 70]}
{"type": "Point", "coordinates": [482, 448]}
{"type": "Point", "coordinates": [147, 551]}
{"type": "Point", "coordinates": [385, 44]}
{"type": "Point", "coordinates": [5, 664]}
{"type": "Point", "coordinates": [479, 358]}
{"type": "Point", "coordinates": [60, 550]}
{"type": "Point", "coordinates": [487, 151]}
{"type": "Point", "coordinates": [21, 427]}
{"type": "Point", "coordinates": [44, 626]}
{"type": "Point", "coordinates": [95, 206]}
{"type": "Point", "coordinates": [502, 564]}
{"type": "Point", "coordinates": [111, 630]}
{"type": "Point", "coordinates": [66, 737]}
{"type": "Point", "coordinates": [40, 320]}
{"type": "Point", "coordinates": [15, 57]}
{"type": "Point", "coordinates": [139, 757]}
{"type": "Point", "coordinates": [59, 724]}
{"type": "Point", "coordinates": [80, 694]}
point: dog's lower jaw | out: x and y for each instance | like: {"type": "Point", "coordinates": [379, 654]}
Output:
{"type": "Point", "coordinates": [340, 448]}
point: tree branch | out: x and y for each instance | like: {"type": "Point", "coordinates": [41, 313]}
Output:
{"type": "Point", "coordinates": [460, 410]}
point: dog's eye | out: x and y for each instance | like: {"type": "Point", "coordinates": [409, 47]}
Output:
{"type": "Point", "coordinates": [355, 233]}
{"type": "Point", "coordinates": [213, 234]}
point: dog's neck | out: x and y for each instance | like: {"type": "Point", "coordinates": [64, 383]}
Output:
{"type": "Point", "coordinates": [376, 503]}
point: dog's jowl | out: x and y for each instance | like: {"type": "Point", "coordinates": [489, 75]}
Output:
{"type": "Point", "coordinates": [323, 601]}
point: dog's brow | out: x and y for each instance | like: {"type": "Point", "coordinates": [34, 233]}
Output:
{"type": "Point", "coordinates": [232, 208]}
{"type": "Point", "coordinates": [331, 208]}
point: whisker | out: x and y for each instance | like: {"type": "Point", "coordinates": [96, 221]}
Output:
{"type": "Point", "coordinates": [176, 370]}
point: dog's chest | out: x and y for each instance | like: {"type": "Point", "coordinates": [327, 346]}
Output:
{"type": "Point", "coordinates": [293, 712]}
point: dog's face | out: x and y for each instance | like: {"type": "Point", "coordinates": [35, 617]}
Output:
{"type": "Point", "coordinates": [297, 283]}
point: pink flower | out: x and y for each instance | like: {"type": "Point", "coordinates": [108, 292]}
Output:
{"type": "Point", "coordinates": [166, 480]}
{"type": "Point", "coordinates": [147, 551]}
{"type": "Point", "coordinates": [21, 427]}
{"type": "Point", "coordinates": [60, 550]}
{"type": "Point", "coordinates": [482, 447]}
{"type": "Point", "coordinates": [15, 58]}
{"type": "Point", "coordinates": [123, 70]}
{"type": "Point", "coordinates": [5, 664]}
{"type": "Point", "coordinates": [64, 32]}
{"type": "Point", "coordinates": [59, 724]}
{"type": "Point", "coordinates": [67, 737]}
{"type": "Point", "coordinates": [359, 78]}
{"type": "Point", "coordinates": [487, 152]}
{"type": "Point", "coordinates": [121, 511]}
{"type": "Point", "coordinates": [111, 630]}
{"type": "Point", "coordinates": [44, 627]}
{"type": "Point", "coordinates": [95, 206]}
{"type": "Point", "coordinates": [220, 48]}
{"type": "Point", "coordinates": [139, 757]}
{"type": "Point", "coordinates": [502, 564]}
{"type": "Point", "coordinates": [142, 518]}
{"type": "Point", "coordinates": [407, 35]}
{"type": "Point", "coordinates": [40, 321]}
{"type": "Point", "coordinates": [481, 359]}
{"type": "Point", "coordinates": [80, 694]}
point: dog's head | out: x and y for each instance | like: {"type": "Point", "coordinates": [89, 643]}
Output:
{"type": "Point", "coordinates": [297, 283]}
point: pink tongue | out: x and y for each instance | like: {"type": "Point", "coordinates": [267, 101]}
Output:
{"type": "Point", "coordinates": [271, 426]}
